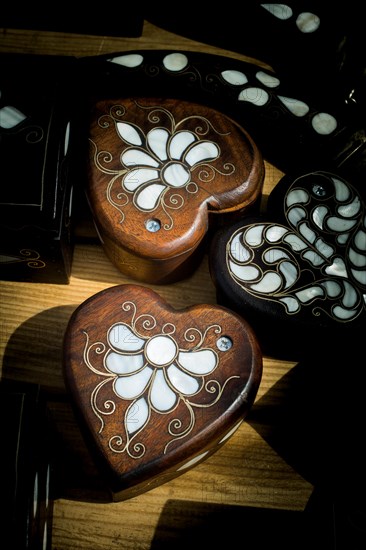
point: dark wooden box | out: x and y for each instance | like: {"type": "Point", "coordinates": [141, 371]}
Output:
{"type": "Point", "coordinates": [37, 132]}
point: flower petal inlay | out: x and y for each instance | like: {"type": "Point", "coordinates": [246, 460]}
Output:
{"type": "Point", "coordinates": [176, 175]}
{"type": "Point", "coordinates": [137, 415]}
{"type": "Point", "coordinates": [162, 397]}
{"type": "Point", "coordinates": [129, 133]}
{"type": "Point", "coordinates": [202, 151]}
{"type": "Point", "coordinates": [134, 178]}
{"type": "Point", "coordinates": [157, 140]}
{"type": "Point", "coordinates": [136, 157]}
{"type": "Point", "coordinates": [124, 364]}
{"type": "Point", "coordinates": [179, 143]}
{"type": "Point", "coordinates": [121, 337]}
{"type": "Point", "coordinates": [148, 198]}
{"type": "Point", "coordinates": [198, 362]}
{"type": "Point", "coordinates": [129, 387]}
{"type": "Point", "coordinates": [182, 382]}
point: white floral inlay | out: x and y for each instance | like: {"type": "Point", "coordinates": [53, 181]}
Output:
{"type": "Point", "coordinates": [155, 375]}
{"type": "Point", "coordinates": [159, 161]}
{"type": "Point", "coordinates": [266, 259]}
{"type": "Point", "coordinates": [166, 161]}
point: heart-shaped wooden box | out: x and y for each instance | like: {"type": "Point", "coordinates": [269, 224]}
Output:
{"type": "Point", "coordinates": [298, 272]}
{"type": "Point", "coordinates": [158, 170]}
{"type": "Point", "coordinates": [157, 390]}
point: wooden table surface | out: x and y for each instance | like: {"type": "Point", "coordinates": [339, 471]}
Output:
{"type": "Point", "coordinates": [255, 469]}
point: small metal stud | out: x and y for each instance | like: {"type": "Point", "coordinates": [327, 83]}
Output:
{"type": "Point", "coordinates": [224, 343]}
{"type": "Point", "coordinates": [153, 225]}
{"type": "Point", "coordinates": [319, 190]}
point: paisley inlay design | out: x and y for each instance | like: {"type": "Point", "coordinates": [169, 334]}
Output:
{"type": "Point", "coordinates": [146, 367]}
{"type": "Point", "coordinates": [322, 123]}
{"type": "Point", "coordinates": [158, 167]}
{"type": "Point", "coordinates": [316, 260]}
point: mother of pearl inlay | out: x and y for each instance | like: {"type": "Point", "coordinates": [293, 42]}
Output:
{"type": "Point", "coordinates": [10, 117]}
{"type": "Point", "coordinates": [155, 374]}
{"type": "Point", "coordinates": [128, 60]}
{"type": "Point", "coordinates": [175, 61]}
{"type": "Point", "coordinates": [254, 95]}
{"type": "Point", "coordinates": [236, 78]}
{"type": "Point", "coordinates": [324, 123]}
{"type": "Point", "coordinates": [268, 80]}
{"type": "Point", "coordinates": [307, 22]}
{"type": "Point", "coordinates": [161, 350]}
{"type": "Point", "coordinates": [281, 11]}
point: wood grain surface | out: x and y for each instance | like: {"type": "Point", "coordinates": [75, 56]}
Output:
{"type": "Point", "coordinates": [254, 470]}
{"type": "Point", "coordinates": [227, 180]}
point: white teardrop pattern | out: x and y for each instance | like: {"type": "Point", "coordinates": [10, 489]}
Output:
{"type": "Point", "coordinates": [129, 60]}
{"type": "Point", "coordinates": [267, 259]}
{"type": "Point", "coordinates": [261, 95]}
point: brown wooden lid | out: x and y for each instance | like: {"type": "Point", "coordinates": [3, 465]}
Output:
{"type": "Point", "coordinates": [157, 167]}
{"type": "Point", "coordinates": [156, 389]}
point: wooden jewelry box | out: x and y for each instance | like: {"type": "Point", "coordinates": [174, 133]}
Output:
{"type": "Point", "coordinates": [37, 150]}
{"type": "Point", "coordinates": [159, 172]}
{"type": "Point", "coordinates": [298, 273]}
{"type": "Point", "coordinates": [156, 390]}
{"type": "Point", "coordinates": [293, 132]}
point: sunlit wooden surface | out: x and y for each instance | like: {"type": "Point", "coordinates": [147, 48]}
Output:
{"type": "Point", "coordinates": [249, 471]}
